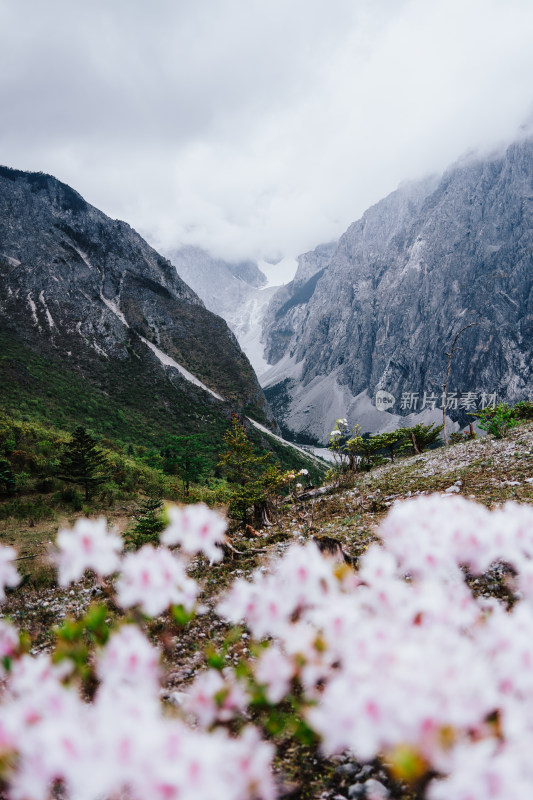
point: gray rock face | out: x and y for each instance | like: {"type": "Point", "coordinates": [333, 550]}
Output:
{"type": "Point", "coordinates": [82, 287]}
{"type": "Point", "coordinates": [287, 307]}
{"type": "Point", "coordinates": [234, 291]}
{"type": "Point", "coordinates": [404, 279]}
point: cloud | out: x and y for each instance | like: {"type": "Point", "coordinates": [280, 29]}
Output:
{"type": "Point", "coordinates": [256, 129]}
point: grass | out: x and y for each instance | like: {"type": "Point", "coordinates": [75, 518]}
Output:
{"type": "Point", "coordinates": [130, 408]}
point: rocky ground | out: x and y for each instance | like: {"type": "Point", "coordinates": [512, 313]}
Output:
{"type": "Point", "coordinates": [486, 470]}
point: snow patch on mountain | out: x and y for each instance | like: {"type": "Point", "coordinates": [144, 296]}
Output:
{"type": "Point", "coordinates": [114, 309]}
{"type": "Point", "coordinates": [246, 322]}
{"type": "Point", "coordinates": [239, 293]}
{"type": "Point", "coordinates": [169, 362]}
{"type": "Point", "coordinates": [309, 453]}
{"type": "Point", "coordinates": [33, 309]}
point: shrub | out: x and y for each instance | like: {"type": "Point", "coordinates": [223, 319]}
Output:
{"type": "Point", "coordinates": [45, 483]}
{"type": "Point", "coordinates": [9, 445]}
{"type": "Point", "coordinates": [458, 436]}
{"type": "Point", "coordinates": [7, 477]}
{"type": "Point", "coordinates": [150, 523]}
{"type": "Point", "coordinates": [72, 496]}
{"type": "Point", "coordinates": [422, 436]}
{"type": "Point", "coordinates": [110, 492]}
{"type": "Point", "coordinates": [22, 480]}
{"type": "Point", "coordinates": [498, 420]}
{"type": "Point", "coordinates": [524, 409]}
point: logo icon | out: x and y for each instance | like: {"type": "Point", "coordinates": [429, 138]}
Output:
{"type": "Point", "coordinates": [384, 400]}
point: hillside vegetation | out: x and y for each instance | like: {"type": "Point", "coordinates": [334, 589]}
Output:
{"type": "Point", "coordinates": [343, 521]}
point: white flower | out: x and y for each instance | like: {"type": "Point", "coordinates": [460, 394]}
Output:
{"type": "Point", "coordinates": [153, 579]}
{"type": "Point", "coordinates": [196, 529]}
{"type": "Point", "coordinates": [88, 546]}
{"type": "Point", "coordinates": [8, 573]}
{"type": "Point", "coordinates": [129, 660]}
{"type": "Point", "coordinates": [9, 639]}
{"type": "Point", "coordinates": [274, 670]}
{"type": "Point", "coordinates": [213, 696]}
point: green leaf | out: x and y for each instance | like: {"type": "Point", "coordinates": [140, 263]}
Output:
{"type": "Point", "coordinates": [181, 615]}
{"type": "Point", "coordinates": [215, 660]}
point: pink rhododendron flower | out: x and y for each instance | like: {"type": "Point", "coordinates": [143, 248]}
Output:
{"type": "Point", "coordinates": [435, 534]}
{"type": "Point", "coordinates": [196, 529]}
{"type": "Point", "coordinates": [154, 579]}
{"type": "Point", "coordinates": [401, 655]}
{"type": "Point", "coordinates": [252, 775]}
{"type": "Point", "coordinates": [8, 572]}
{"type": "Point", "coordinates": [9, 639]}
{"type": "Point", "coordinates": [405, 651]}
{"type": "Point", "coordinates": [88, 546]}
{"type": "Point", "coordinates": [216, 697]}
{"type": "Point", "coordinates": [274, 669]}
{"type": "Point", "coordinates": [129, 659]}
{"type": "Point", "coordinates": [122, 743]}
{"type": "Point", "coordinates": [268, 603]}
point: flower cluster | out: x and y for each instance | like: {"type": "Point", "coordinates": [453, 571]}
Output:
{"type": "Point", "coordinates": [400, 659]}
{"type": "Point", "coordinates": [196, 529]}
{"type": "Point", "coordinates": [216, 697]}
{"type": "Point", "coordinates": [88, 546]}
{"type": "Point", "coordinates": [121, 743]}
{"type": "Point", "coordinates": [403, 657]}
{"type": "Point", "coordinates": [154, 579]}
{"type": "Point", "coordinates": [124, 742]}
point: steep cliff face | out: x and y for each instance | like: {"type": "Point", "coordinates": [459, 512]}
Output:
{"type": "Point", "coordinates": [92, 296]}
{"type": "Point", "coordinates": [287, 307]}
{"type": "Point", "coordinates": [221, 284]}
{"type": "Point", "coordinates": [234, 290]}
{"type": "Point", "coordinates": [418, 266]}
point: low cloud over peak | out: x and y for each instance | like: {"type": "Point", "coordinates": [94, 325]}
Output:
{"type": "Point", "coordinates": [256, 130]}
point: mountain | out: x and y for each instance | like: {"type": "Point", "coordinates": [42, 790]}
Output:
{"type": "Point", "coordinates": [236, 291]}
{"type": "Point", "coordinates": [282, 317]}
{"type": "Point", "coordinates": [95, 325]}
{"type": "Point", "coordinates": [381, 312]}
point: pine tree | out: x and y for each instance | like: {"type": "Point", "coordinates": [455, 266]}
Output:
{"type": "Point", "coordinates": [253, 477]}
{"type": "Point", "coordinates": [422, 436]}
{"type": "Point", "coordinates": [391, 442]}
{"type": "Point", "coordinates": [149, 525]}
{"type": "Point", "coordinates": [83, 462]}
{"type": "Point", "coordinates": [187, 457]}
{"type": "Point", "coordinates": [241, 463]}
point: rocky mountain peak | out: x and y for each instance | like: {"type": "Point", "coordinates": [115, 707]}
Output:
{"type": "Point", "coordinates": [83, 289]}
{"type": "Point", "coordinates": [416, 268]}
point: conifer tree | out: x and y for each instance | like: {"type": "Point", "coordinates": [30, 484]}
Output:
{"type": "Point", "coordinates": [253, 477]}
{"type": "Point", "coordinates": [187, 457]}
{"type": "Point", "coordinates": [149, 525]}
{"type": "Point", "coordinates": [391, 441]}
{"type": "Point", "coordinates": [83, 462]}
{"type": "Point", "coordinates": [422, 436]}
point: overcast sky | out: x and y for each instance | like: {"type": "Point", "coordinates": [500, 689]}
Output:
{"type": "Point", "coordinates": [256, 128]}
